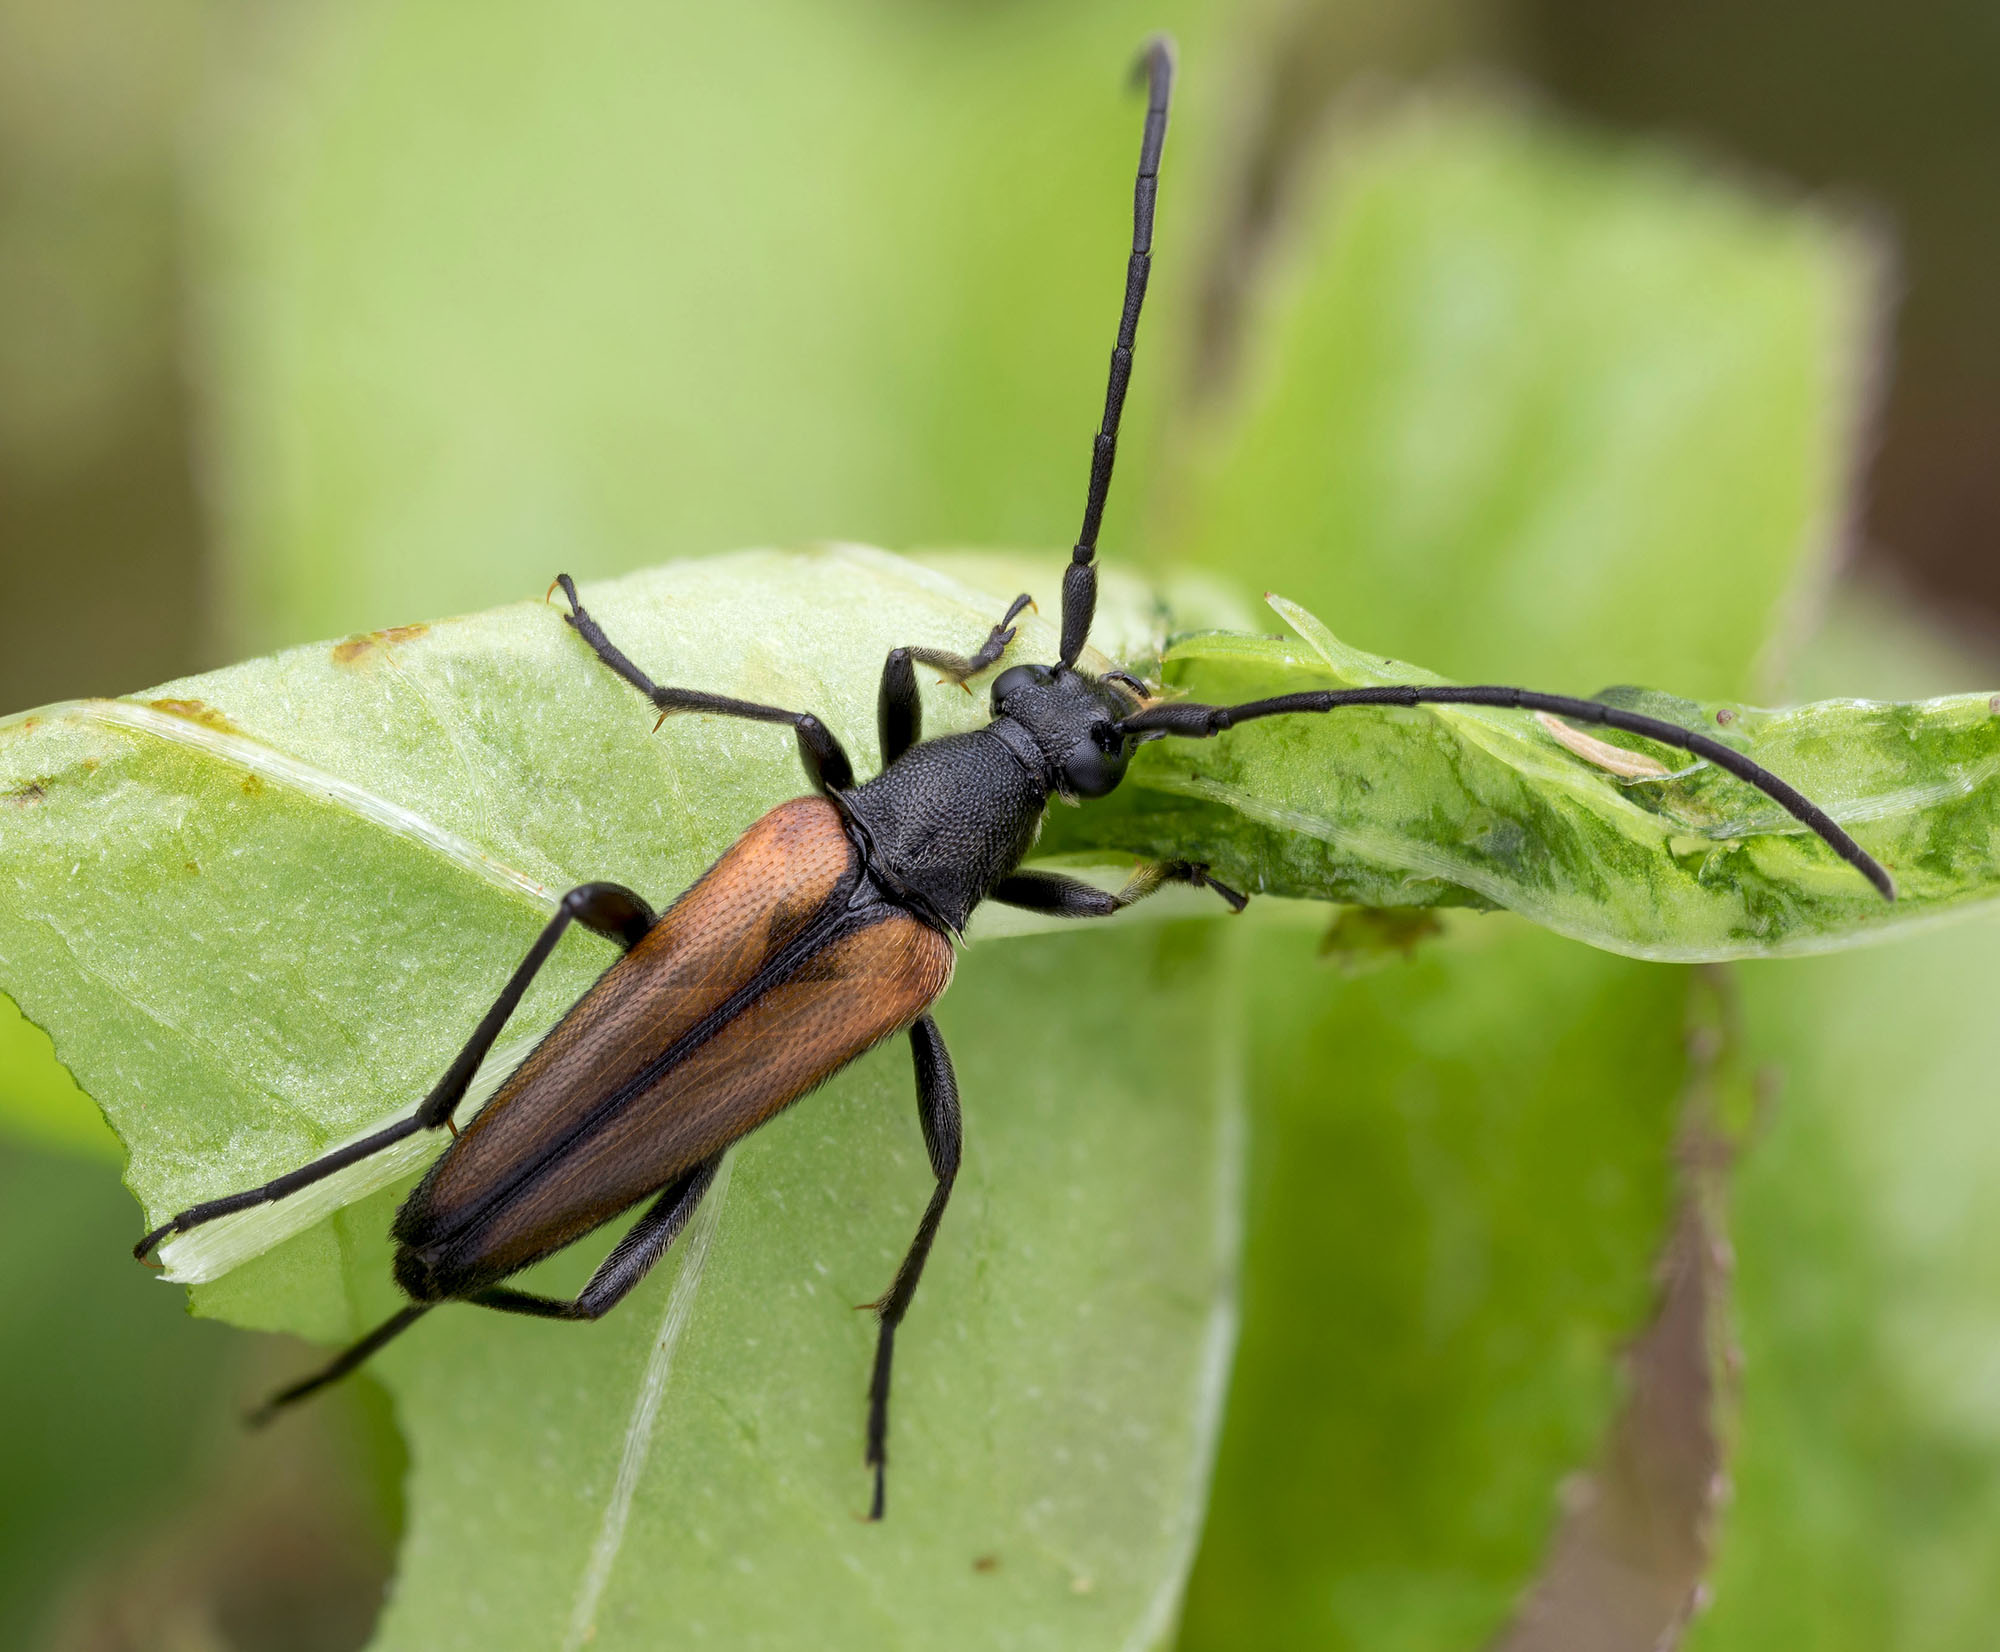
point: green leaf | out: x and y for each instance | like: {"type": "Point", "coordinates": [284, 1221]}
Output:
{"type": "Point", "coordinates": [260, 910]}
{"type": "Point", "coordinates": [1469, 806]}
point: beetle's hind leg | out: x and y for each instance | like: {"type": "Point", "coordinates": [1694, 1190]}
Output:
{"type": "Point", "coordinates": [937, 1111]}
{"type": "Point", "coordinates": [899, 715]}
{"type": "Point", "coordinates": [610, 909]}
{"type": "Point", "coordinates": [630, 1261]}
{"type": "Point", "coordinates": [341, 1364]}
{"type": "Point", "coordinates": [824, 757]}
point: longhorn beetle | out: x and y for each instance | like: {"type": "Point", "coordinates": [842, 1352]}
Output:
{"type": "Point", "coordinates": [824, 930]}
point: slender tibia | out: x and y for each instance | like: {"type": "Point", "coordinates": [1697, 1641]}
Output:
{"type": "Point", "coordinates": [824, 758]}
{"type": "Point", "coordinates": [943, 1127]}
{"type": "Point", "coordinates": [1201, 722]}
{"type": "Point", "coordinates": [610, 909]}
{"type": "Point", "coordinates": [1064, 897]}
{"type": "Point", "coordinates": [339, 1367]}
{"type": "Point", "coordinates": [1156, 64]}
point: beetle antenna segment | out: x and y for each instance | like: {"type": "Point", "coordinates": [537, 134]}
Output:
{"type": "Point", "coordinates": [1200, 722]}
{"type": "Point", "coordinates": [1156, 64]}
{"type": "Point", "coordinates": [339, 1366]}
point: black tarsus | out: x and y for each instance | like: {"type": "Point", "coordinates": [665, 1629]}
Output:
{"type": "Point", "coordinates": [824, 758]}
{"type": "Point", "coordinates": [610, 909]}
{"type": "Point", "coordinates": [1156, 65]}
{"type": "Point", "coordinates": [944, 1135]}
{"type": "Point", "coordinates": [957, 668]}
{"type": "Point", "coordinates": [899, 713]}
{"type": "Point", "coordinates": [341, 1365]}
{"type": "Point", "coordinates": [1199, 722]}
{"type": "Point", "coordinates": [630, 1261]}
{"type": "Point", "coordinates": [1065, 897]}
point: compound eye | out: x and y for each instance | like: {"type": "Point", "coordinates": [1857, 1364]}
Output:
{"type": "Point", "coordinates": [1016, 678]}
{"type": "Point", "coordinates": [1091, 770]}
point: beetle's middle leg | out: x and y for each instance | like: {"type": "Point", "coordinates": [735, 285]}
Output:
{"type": "Point", "coordinates": [1063, 897]}
{"type": "Point", "coordinates": [610, 909]}
{"type": "Point", "coordinates": [899, 715]}
{"type": "Point", "coordinates": [937, 1111]}
{"type": "Point", "coordinates": [824, 757]}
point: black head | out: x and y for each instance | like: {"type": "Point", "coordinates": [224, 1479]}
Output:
{"type": "Point", "coordinates": [1074, 719]}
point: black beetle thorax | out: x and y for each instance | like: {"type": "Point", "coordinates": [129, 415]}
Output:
{"type": "Point", "coordinates": [952, 816]}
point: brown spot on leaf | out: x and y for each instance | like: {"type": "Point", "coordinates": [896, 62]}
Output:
{"type": "Point", "coordinates": [192, 868]}
{"type": "Point", "coordinates": [366, 642]}
{"type": "Point", "coordinates": [987, 1563]}
{"type": "Point", "coordinates": [253, 785]}
{"type": "Point", "coordinates": [196, 711]}
{"type": "Point", "coordinates": [33, 792]}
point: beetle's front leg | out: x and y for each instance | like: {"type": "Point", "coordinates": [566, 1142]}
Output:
{"type": "Point", "coordinates": [824, 758]}
{"type": "Point", "coordinates": [959, 668]}
{"type": "Point", "coordinates": [899, 715]}
{"type": "Point", "coordinates": [937, 1111]}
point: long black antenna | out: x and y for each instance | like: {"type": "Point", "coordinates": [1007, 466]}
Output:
{"type": "Point", "coordinates": [1156, 65]}
{"type": "Point", "coordinates": [1199, 722]}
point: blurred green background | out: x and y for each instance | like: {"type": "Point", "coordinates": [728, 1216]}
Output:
{"type": "Point", "coordinates": [1522, 338]}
